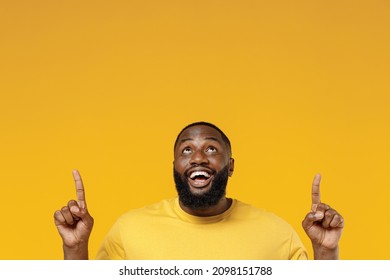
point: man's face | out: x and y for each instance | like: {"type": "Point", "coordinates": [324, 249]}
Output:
{"type": "Point", "coordinates": [201, 167]}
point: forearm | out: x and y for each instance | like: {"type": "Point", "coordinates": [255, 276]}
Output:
{"type": "Point", "coordinates": [321, 253]}
{"type": "Point", "coordinates": [76, 253]}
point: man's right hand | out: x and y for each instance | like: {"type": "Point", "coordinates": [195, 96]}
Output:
{"type": "Point", "coordinates": [74, 224]}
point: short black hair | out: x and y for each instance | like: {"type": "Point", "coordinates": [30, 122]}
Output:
{"type": "Point", "coordinates": [223, 135]}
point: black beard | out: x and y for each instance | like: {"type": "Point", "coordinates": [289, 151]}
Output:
{"type": "Point", "coordinates": [207, 199]}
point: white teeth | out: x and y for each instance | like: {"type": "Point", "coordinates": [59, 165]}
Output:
{"type": "Point", "coordinates": [199, 173]}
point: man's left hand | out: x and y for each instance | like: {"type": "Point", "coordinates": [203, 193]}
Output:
{"type": "Point", "coordinates": [323, 225]}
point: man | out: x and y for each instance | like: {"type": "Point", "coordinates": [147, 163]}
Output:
{"type": "Point", "coordinates": [202, 223]}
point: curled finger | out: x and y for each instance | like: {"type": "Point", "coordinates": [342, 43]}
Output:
{"type": "Point", "coordinates": [337, 221]}
{"type": "Point", "coordinates": [65, 211]}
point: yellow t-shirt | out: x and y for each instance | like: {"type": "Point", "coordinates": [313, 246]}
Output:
{"type": "Point", "coordinates": [163, 231]}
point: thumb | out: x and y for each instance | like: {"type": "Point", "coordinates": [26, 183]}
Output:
{"type": "Point", "coordinates": [311, 218]}
{"type": "Point", "coordinates": [82, 214]}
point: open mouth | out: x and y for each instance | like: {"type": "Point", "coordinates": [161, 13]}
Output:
{"type": "Point", "coordinates": [200, 178]}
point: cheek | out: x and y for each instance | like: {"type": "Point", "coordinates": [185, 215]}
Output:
{"type": "Point", "coordinates": [180, 164]}
{"type": "Point", "coordinates": [219, 162]}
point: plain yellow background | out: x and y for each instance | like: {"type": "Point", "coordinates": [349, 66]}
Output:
{"type": "Point", "coordinates": [300, 87]}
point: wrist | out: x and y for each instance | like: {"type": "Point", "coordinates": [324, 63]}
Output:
{"type": "Point", "coordinates": [323, 253]}
{"type": "Point", "coordinates": [77, 252]}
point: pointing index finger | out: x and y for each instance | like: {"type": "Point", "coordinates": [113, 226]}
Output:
{"type": "Point", "coordinates": [315, 192]}
{"type": "Point", "coordinates": [80, 194]}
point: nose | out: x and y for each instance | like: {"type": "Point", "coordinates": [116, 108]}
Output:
{"type": "Point", "coordinates": [199, 157]}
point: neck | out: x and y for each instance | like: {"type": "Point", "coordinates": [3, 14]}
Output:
{"type": "Point", "coordinates": [222, 205]}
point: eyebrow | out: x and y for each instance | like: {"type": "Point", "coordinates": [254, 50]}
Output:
{"type": "Point", "coordinates": [207, 138]}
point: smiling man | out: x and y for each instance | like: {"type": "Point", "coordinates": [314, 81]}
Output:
{"type": "Point", "coordinates": [202, 166]}
{"type": "Point", "coordinates": [202, 223]}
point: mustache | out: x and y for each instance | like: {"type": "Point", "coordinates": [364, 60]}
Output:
{"type": "Point", "coordinates": [187, 172]}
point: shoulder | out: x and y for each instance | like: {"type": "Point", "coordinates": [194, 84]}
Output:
{"type": "Point", "coordinates": [155, 210]}
{"type": "Point", "coordinates": [249, 213]}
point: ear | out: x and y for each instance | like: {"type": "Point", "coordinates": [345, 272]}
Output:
{"type": "Point", "coordinates": [231, 166]}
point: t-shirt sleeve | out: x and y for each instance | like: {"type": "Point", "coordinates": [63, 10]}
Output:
{"type": "Point", "coordinates": [297, 250]}
{"type": "Point", "coordinates": [112, 246]}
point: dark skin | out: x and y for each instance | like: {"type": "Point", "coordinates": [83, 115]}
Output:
{"type": "Point", "coordinates": [323, 225]}
{"type": "Point", "coordinates": [201, 148]}
{"type": "Point", "coordinates": [74, 224]}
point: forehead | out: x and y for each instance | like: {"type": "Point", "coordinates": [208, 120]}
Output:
{"type": "Point", "coordinates": [199, 132]}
